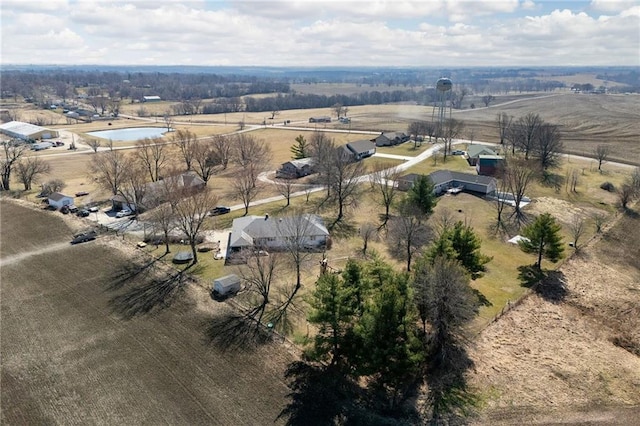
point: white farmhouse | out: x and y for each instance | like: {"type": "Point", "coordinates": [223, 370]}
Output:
{"type": "Point", "coordinates": [58, 200]}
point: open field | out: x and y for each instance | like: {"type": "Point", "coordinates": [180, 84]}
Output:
{"type": "Point", "coordinates": [585, 121]}
{"type": "Point", "coordinates": [87, 338]}
{"type": "Point", "coordinates": [552, 361]}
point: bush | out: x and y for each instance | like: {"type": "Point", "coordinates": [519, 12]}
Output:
{"type": "Point", "coordinates": [608, 186]}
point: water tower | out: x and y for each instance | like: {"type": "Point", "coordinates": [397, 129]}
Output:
{"type": "Point", "coordinates": [443, 93]}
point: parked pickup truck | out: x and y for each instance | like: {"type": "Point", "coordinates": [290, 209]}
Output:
{"type": "Point", "coordinates": [84, 237]}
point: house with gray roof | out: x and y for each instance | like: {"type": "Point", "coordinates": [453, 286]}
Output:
{"type": "Point", "coordinates": [390, 138]}
{"type": "Point", "coordinates": [361, 149]}
{"type": "Point", "coordinates": [447, 180]}
{"type": "Point", "coordinates": [295, 169]}
{"type": "Point", "coordinates": [264, 232]}
{"type": "Point", "coordinates": [474, 151]}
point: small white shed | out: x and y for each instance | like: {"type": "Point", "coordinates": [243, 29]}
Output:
{"type": "Point", "coordinates": [57, 200]}
{"type": "Point", "coordinates": [227, 285]}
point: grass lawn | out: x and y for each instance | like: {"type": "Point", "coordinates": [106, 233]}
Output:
{"type": "Point", "coordinates": [408, 148]}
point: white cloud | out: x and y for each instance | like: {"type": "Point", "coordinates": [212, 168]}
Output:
{"type": "Point", "coordinates": [614, 6]}
{"type": "Point", "coordinates": [441, 33]}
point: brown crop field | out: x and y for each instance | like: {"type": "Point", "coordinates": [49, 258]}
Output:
{"type": "Point", "coordinates": [87, 339]}
{"type": "Point", "coordinates": [572, 360]}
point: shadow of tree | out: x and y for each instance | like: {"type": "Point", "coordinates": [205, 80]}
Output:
{"type": "Point", "coordinates": [319, 395]}
{"type": "Point", "coordinates": [129, 272]}
{"type": "Point", "coordinates": [342, 229]}
{"type": "Point", "coordinates": [150, 295]}
{"type": "Point", "coordinates": [451, 401]}
{"type": "Point", "coordinates": [549, 285]}
{"type": "Point", "coordinates": [235, 331]}
{"type": "Point", "coordinates": [482, 298]}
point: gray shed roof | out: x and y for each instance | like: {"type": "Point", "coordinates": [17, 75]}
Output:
{"type": "Point", "coordinates": [474, 150]}
{"type": "Point", "coordinates": [57, 196]}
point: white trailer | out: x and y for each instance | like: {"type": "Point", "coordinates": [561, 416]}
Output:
{"type": "Point", "coordinates": [226, 286]}
{"type": "Point", "coordinates": [41, 145]}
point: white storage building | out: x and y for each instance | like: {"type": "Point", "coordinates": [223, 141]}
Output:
{"type": "Point", "coordinates": [26, 131]}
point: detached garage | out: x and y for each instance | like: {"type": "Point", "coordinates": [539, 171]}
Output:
{"type": "Point", "coordinates": [27, 131]}
{"type": "Point", "coordinates": [58, 200]}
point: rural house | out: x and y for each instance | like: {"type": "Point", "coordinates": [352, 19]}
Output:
{"type": "Point", "coordinates": [489, 165]}
{"type": "Point", "coordinates": [58, 200]}
{"type": "Point", "coordinates": [474, 151]}
{"type": "Point", "coordinates": [390, 138]}
{"type": "Point", "coordinates": [269, 233]}
{"type": "Point", "coordinates": [295, 169]}
{"type": "Point", "coordinates": [361, 149]}
{"type": "Point", "coordinates": [453, 182]}
{"type": "Point", "coordinates": [153, 193]}
{"type": "Point", "coordinates": [324, 119]}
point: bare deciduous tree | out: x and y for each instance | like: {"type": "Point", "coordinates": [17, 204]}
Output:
{"type": "Point", "coordinates": [598, 221]}
{"type": "Point", "coordinates": [168, 120]}
{"type": "Point", "coordinates": [547, 145]}
{"type": "Point", "coordinates": [345, 181]}
{"type": "Point", "coordinates": [384, 183]}
{"type": "Point", "coordinates": [222, 149]}
{"type": "Point", "coordinates": [13, 151]}
{"type": "Point", "coordinates": [577, 228]}
{"type": "Point", "coordinates": [527, 129]}
{"type": "Point", "coordinates": [504, 123]}
{"type": "Point", "coordinates": [109, 169]}
{"type": "Point", "coordinates": [133, 185]}
{"type": "Point", "coordinates": [205, 161]}
{"type": "Point", "coordinates": [407, 233]}
{"type": "Point", "coordinates": [517, 176]}
{"type": "Point", "coordinates": [259, 274]}
{"type": "Point", "coordinates": [152, 154]}
{"type": "Point", "coordinates": [602, 153]}
{"type": "Point", "coordinates": [190, 214]}
{"type": "Point", "coordinates": [249, 150]}
{"type": "Point", "coordinates": [51, 186]}
{"type": "Point", "coordinates": [285, 188]}
{"type": "Point", "coordinates": [368, 232]}
{"type": "Point", "coordinates": [451, 130]}
{"type": "Point", "coordinates": [322, 150]}
{"type": "Point", "coordinates": [245, 186]}
{"type": "Point", "coordinates": [94, 144]}
{"type": "Point", "coordinates": [29, 168]}
{"type": "Point", "coordinates": [487, 99]}
{"type": "Point", "coordinates": [162, 218]}
{"type": "Point", "coordinates": [186, 142]}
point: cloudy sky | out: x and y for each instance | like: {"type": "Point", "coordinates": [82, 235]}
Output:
{"type": "Point", "coordinates": [321, 33]}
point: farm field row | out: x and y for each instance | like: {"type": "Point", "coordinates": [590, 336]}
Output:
{"type": "Point", "coordinates": [88, 338]}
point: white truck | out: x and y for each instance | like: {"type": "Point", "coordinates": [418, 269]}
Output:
{"type": "Point", "coordinates": [41, 145]}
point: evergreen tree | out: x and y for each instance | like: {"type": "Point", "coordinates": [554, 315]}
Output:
{"type": "Point", "coordinates": [544, 239]}
{"type": "Point", "coordinates": [391, 352]}
{"type": "Point", "coordinates": [461, 243]}
{"type": "Point", "coordinates": [422, 195]}
{"type": "Point", "coordinates": [332, 305]}
{"type": "Point", "coordinates": [301, 149]}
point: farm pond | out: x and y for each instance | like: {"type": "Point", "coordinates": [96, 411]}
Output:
{"type": "Point", "coordinates": [130, 134]}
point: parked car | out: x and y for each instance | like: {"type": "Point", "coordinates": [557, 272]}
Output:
{"type": "Point", "coordinates": [123, 213]}
{"type": "Point", "coordinates": [81, 193]}
{"type": "Point", "coordinates": [457, 152]}
{"type": "Point", "coordinates": [216, 211]}
{"type": "Point", "coordinates": [83, 213]}
{"type": "Point", "coordinates": [73, 209]}
{"type": "Point", "coordinates": [84, 237]}
{"type": "Point", "coordinates": [94, 209]}
{"type": "Point", "coordinates": [64, 209]}
{"type": "Point", "coordinates": [59, 143]}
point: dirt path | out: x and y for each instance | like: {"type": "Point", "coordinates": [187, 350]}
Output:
{"type": "Point", "coordinates": [8, 260]}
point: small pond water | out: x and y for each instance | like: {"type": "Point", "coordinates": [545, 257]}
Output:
{"type": "Point", "coordinates": [130, 134]}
